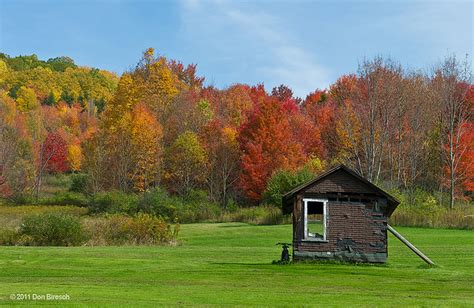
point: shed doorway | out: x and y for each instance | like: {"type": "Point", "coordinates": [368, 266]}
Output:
{"type": "Point", "coordinates": [315, 219]}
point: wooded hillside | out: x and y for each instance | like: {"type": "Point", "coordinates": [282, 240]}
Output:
{"type": "Point", "coordinates": [160, 125]}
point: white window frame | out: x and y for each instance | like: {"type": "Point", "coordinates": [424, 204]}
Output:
{"type": "Point", "coordinates": [305, 211]}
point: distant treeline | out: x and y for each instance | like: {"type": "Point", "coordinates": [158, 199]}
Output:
{"type": "Point", "coordinates": [159, 125]}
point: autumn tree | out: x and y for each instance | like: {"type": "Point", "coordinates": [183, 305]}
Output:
{"type": "Point", "coordinates": [186, 162]}
{"type": "Point", "coordinates": [190, 113]}
{"type": "Point", "coordinates": [223, 153]}
{"type": "Point", "coordinates": [16, 150]}
{"type": "Point", "coordinates": [451, 85]}
{"type": "Point", "coordinates": [54, 154]}
{"type": "Point", "coordinates": [115, 130]}
{"type": "Point", "coordinates": [467, 160]}
{"type": "Point", "coordinates": [367, 117]}
{"type": "Point", "coordinates": [234, 105]}
{"type": "Point", "coordinates": [282, 93]}
{"type": "Point", "coordinates": [96, 163]}
{"type": "Point", "coordinates": [187, 74]}
{"type": "Point", "coordinates": [146, 134]}
{"type": "Point", "coordinates": [411, 147]}
{"type": "Point", "coordinates": [267, 144]}
{"type": "Point", "coordinates": [156, 84]}
{"type": "Point", "coordinates": [26, 99]}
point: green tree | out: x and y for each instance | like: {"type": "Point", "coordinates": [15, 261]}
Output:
{"type": "Point", "coordinates": [283, 181]}
{"type": "Point", "coordinates": [186, 163]}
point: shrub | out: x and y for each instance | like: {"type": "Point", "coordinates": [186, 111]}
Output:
{"type": "Point", "coordinates": [196, 207]}
{"type": "Point", "coordinates": [158, 202]}
{"type": "Point", "coordinates": [65, 198]}
{"type": "Point", "coordinates": [199, 212]}
{"type": "Point", "coordinates": [114, 202]}
{"type": "Point", "coordinates": [193, 207]}
{"type": "Point", "coordinates": [52, 229]}
{"type": "Point", "coordinates": [12, 216]}
{"type": "Point", "coordinates": [283, 181]}
{"type": "Point", "coordinates": [8, 237]}
{"type": "Point", "coordinates": [232, 206]}
{"type": "Point", "coordinates": [20, 199]}
{"type": "Point", "coordinates": [79, 183]}
{"type": "Point", "coordinates": [143, 229]}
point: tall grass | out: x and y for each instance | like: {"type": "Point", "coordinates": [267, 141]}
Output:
{"type": "Point", "coordinates": [142, 229]}
{"type": "Point", "coordinates": [422, 209]}
{"type": "Point", "coordinates": [59, 229]}
{"type": "Point", "coordinates": [457, 218]}
{"type": "Point", "coordinates": [11, 216]}
{"type": "Point", "coordinates": [259, 215]}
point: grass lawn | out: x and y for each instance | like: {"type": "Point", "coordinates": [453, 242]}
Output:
{"type": "Point", "coordinates": [231, 264]}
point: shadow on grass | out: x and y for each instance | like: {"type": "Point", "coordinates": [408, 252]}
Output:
{"type": "Point", "coordinates": [242, 264]}
{"type": "Point", "coordinates": [235, 225]}
{"type": "Point", "coordinates": [309, 262]}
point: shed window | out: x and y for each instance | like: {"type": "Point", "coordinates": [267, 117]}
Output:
{"type": "Point", "coordinates": [315, 219]}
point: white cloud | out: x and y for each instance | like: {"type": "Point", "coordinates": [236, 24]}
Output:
{"type": "Point", "coordinates": [286, 62]}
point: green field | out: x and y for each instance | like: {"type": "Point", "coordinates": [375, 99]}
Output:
{"type": "Point", "coordinates": [231, 264]}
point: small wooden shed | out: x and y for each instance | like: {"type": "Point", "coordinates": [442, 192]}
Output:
{"type": "Point", "coordinates": [339, 215]}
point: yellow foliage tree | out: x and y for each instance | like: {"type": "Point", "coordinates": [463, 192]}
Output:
{"type": "Point", "coordinates": [74, 156]}
{"type": "Point", "coordinates": [146, 134]}
{"type": "Point", "coordinates": [4, 72]}
{"type": "Point", "coordinates": [26, 99]}
{"type": "Point", "coordinates": [157, 85]}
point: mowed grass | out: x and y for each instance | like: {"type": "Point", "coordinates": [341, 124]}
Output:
{"type": "Point", "coordinates": [230, 263]}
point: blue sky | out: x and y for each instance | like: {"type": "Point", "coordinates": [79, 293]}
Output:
{"type": "Point", "coordinates": [304, 44]}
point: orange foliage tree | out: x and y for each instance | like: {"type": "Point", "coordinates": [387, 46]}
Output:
{"type": "Point", "coordinates": [146, 134]}
{"type": "Point", "coordinates": [267, 144]}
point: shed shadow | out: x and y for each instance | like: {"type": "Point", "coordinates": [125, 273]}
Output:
{"type": "Point", "coordinates": [242, 264]}
{"type": "Point", "coordinates": [233, 226]}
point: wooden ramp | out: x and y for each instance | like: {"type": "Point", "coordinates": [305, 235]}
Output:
{"type": "Point", "coordinates": [410, 245]}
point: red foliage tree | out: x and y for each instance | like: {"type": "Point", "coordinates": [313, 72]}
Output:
{"type": "Point", "coordinates": [467, 144]}
{"type": "Point", "coordinates": [308, 134]}
{"type": "Point", "coordinates": [313, 100]}
{"type": "Point", "coordinates": [467, 160]}
{"type": "Point", "coordinates": [267, 144]}
{"type": "Point", "coordinates": [285, 96]}
{"type": "Point", "coordinates": [54, 154]}
{"type": "Point", "coordinates": [282, 93]}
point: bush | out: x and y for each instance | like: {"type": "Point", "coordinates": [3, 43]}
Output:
{"type": "Point", "coordinates": [20, 199]}
{"type": "Point", "coordinates": [232, 206]}
{"type": "Point", "coordinates": [196, 207]}
{"type": "Point", "coordinates": [52, 229]}
{"type": "Point", "coordinates": [143, 229]}
{"type": "Point", "coordinates": [193, 207]}
{"type": "Point", "coordinates": [157, 202]}
{"type": "Point", "coordinates": [8, 237]}
{"type": "Point", "coordinates": [79, 183]}
{"type": "Point", "coordinates": [114, 202]}
{"type": "Point", "coordinates": [65, 198]}
{"type": "Point", "coordinates": [283, 181]}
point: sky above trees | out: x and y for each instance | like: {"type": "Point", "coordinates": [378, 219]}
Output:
{"type": "Point", "coordinates": [303, 44]}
